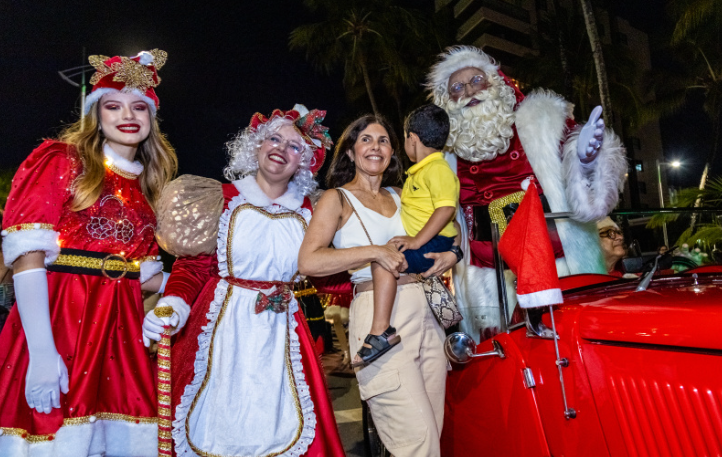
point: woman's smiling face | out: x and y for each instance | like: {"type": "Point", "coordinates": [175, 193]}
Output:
{"type": "Point", "coordinates": [280, 154]}
{"type": "Point", "coordinates": [372, 151]}
{"type": "Point", "coordinates": [124, 119]}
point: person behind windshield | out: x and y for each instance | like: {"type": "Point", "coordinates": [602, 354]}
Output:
{"type": "Point", "coordinates": [611, 239]}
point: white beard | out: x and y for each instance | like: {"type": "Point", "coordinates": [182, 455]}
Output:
{"type": "Point", "coordinates": [480, 133]}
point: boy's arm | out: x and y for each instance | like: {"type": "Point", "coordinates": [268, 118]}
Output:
{"type": "Point", "coordinates": [438, 220]}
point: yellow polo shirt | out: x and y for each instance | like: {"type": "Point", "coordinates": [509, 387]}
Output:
{"type": "Point", "coordinates": [430, 184]}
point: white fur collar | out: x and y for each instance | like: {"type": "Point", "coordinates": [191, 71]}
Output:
{"type": "Point", "coordinates": [249, 189]}
{"type": "Point", "coordinates": [135, 168]}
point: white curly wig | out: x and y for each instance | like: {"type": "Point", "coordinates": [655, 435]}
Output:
{"type": "Point", "coordinates": [243, 159]}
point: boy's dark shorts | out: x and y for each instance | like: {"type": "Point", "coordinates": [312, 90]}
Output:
{"type": "Point", "coordinates": [415, 258]}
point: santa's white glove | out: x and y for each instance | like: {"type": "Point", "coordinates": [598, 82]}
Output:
{"type": "Point", "coordinates": [153, 325]}
{"type": "Point", "coordinates": [47, 375]}
{"type": "Point", "coordinates": [591, 137]}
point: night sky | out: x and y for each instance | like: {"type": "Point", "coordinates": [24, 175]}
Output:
{"type": "Point", "coordinates": [226, 60]}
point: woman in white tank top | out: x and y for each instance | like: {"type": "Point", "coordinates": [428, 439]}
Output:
{"type": "Point", "coordinates": [405, 387]}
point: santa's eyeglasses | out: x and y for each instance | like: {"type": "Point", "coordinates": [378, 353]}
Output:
{"type": "Point", "coordinates": [477, 83]}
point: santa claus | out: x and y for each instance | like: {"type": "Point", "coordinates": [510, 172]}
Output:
{"type": "Point", "coordinates": [499, 140]}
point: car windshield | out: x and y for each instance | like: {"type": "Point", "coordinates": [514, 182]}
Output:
{"type": "Point", "coordinates": [690, 238]}
{"type": "Point", "coordinates": [632, 242]}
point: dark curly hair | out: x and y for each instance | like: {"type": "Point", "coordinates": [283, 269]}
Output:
{"type": "Point", "coordinates": [343, 170]}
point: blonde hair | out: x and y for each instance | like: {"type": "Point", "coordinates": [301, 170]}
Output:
{"type": "Point", "coordinates": [158, 157]}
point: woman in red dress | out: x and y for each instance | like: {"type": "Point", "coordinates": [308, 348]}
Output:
{"type": "Point", "coordinates": [246, 379]}
{"type": "Point", "coordinates": [79, 232]}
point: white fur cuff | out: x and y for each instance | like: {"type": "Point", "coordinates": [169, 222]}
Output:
{"type": "Point", "coordinates": [172, 301]}
{"type": "Point", "coordinates": [150, 268]}
{"type": "Point", "coordinates": [19, 243]}
{"type": "Point", "coordinates": [593, 191]}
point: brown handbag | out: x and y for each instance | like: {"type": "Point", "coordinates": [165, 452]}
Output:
{"type": "Point", "coordinates": [439, 297]}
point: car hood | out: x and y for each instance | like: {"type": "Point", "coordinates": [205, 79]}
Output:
{"type": "Point", "coordinates": [683, 312]}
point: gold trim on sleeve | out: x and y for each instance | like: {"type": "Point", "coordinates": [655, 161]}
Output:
{"type": "Point", "coordinates": [496, 209]}
{"type": "Point", "coordinates": [26, 227]}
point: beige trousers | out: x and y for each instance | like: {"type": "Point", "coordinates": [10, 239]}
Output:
{"type": "Point", "coordinates": [405, 387]}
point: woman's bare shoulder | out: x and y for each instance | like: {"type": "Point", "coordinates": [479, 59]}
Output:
{"type": "Point", "coordinates": [329, 201]}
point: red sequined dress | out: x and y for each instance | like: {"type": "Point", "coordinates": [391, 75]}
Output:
{"type": "Point", "coordinates": [110, 408]}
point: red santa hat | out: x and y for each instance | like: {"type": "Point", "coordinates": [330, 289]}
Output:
{"type": "Point", "coordinates": [308, 125]}
{"type": "Point", "coordinates": [456, 58]}
{"type": "Point", "coordinates": [526, 248]}
{"type": "Point", "coordinates": [136, 75]}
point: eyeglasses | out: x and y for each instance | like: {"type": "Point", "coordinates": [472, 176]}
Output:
{"type": "Point", "coordinates": [477, 83]}
{"type": "Point", "coordinates": [290, 146]}
{"type": "Point", "coordinates": [611, 233]}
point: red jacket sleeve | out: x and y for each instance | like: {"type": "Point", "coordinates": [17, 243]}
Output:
{"type": "Point", "coordinates": [39, 195]}
{"type": "Point", "coordinates": [189, 276]}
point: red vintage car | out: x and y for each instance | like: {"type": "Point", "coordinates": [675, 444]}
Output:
{"type": "Point", "coordinates": [633, 373]}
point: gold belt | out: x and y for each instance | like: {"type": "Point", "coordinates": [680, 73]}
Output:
{"type": "Point", "coordinates": [96, 263]}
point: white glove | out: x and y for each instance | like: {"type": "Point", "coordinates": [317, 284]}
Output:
{"type": "Point", "coordinates": [153, 325]}
{"type": "Point", "coordinates": [47, 375]}
{"type": "Point", "coordinates": [591, 137]}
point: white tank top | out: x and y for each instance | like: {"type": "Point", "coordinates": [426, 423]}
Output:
{"type": "Point", "coordinates": [381, 229]}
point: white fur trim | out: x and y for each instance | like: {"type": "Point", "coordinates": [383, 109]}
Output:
{"type": "Point", "coordinates": [477, 295]}
{"type": "Point", "coordinates": [145, 58]}
{"type": "Point", "coordinates": [301, 109]}
{"type": "Point", "coordinates": [102, 437]}
{"type": "Point", "coordinates": [149, 268]}
{"type": "Point", "coordinates": [541, 298]}
{"type": "Point", "coordinates": [593, 190]}
{"type": "Point", "coordinates": [172, 301]}
{"type": "Point", "coordinates": [19, 243]}
{"type": "Point", "coordinates": [248, 187]}
{"type": "Point", "coordinates": [135, 168]}
{"type": "Point", "coordinates": [454, 59]}
{"type": "Point", "coordinates": [541, 125]}
{"type": "Point", "coordinates": [97, 94]}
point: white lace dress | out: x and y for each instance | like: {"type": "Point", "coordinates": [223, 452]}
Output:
{"type": "Point", "coordinates": [249, 395]}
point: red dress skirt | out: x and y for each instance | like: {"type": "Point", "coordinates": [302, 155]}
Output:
{"type": "Point", "coordinates": [111, 404]}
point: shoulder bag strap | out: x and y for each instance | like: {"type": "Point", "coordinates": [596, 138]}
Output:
{"type": "Point", "coordinates": [345, 197]}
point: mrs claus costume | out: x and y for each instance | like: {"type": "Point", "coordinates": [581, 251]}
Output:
{"type": "Point", "coordinates": [246, 380]}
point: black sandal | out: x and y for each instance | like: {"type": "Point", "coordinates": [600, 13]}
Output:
{"type": "Point", "coordinates": [380, 345]}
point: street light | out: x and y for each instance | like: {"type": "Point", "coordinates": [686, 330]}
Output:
{"type": "Point", "coordinates": [673, 164]}
{"type": "Point", "coordinates": [70, 73]}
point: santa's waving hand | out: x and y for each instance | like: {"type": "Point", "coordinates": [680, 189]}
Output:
{"type": "Point", "coordinates": [498, 139]}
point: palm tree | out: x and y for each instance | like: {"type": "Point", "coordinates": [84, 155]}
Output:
{"type": "Point", "coordinates": [696, 46]}
{"type": "Point", "coordinates": [6, 177]}
{"type": "Point", "coordinates": [706, 234]}
{"type": "Point", "coordinates": [365, 38]}
{"type": "Point", "coordinates": [591, 25]}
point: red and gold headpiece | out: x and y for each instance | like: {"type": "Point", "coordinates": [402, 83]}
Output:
{"type": "Point", "coordinates": [137, 75]}
{"type": "Point", "coordinates": [308, 125]}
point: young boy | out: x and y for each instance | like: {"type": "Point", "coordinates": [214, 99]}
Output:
{"type": "Point", "coordinates": [428, 206]}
